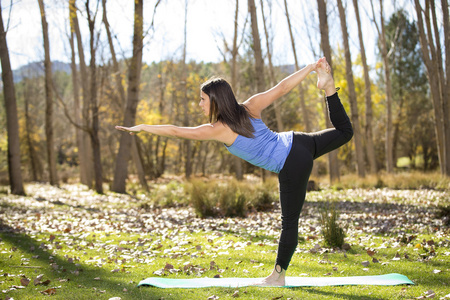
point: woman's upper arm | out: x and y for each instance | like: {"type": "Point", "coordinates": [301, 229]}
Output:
{"type": "Point", "coordinates": [203, 132]}
{"type": "Point", "coordinates": [257, 103]}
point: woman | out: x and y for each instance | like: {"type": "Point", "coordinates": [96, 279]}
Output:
{"type": "Point", "coordinates": [290, 154]}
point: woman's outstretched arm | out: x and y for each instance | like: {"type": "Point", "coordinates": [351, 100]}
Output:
{"type": "Point", "coordinates": [204, 132]}
{"type": "Point", "coordinates": [257, 103]}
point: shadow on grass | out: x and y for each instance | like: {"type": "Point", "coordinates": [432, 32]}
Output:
{"type": "Point", "coordinates": [78, 278]}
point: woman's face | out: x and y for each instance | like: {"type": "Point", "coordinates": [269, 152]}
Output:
{"type": "Point", "coordinates": [204, 103]}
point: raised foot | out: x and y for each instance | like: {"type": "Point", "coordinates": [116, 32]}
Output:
{"type": "Point", "coordinates": [324, 79]}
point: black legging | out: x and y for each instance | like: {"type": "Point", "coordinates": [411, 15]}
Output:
{"type": "Point", "coordinates": [293, 177]}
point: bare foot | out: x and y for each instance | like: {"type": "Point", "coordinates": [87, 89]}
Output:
{"type": "Point", "coordinates": [324, 79]}
{"type": "Point", "coordinates": [275, 279]}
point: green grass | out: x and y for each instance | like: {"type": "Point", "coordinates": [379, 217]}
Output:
{"type": "Point", "coordinates": [97, 247]}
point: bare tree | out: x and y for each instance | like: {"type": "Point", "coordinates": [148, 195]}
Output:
{"type": "Point", "coordinates": [85, 155]}
{"type": "Point", "coordinates": [306, 120]}
{"type": "Point", "coordinates": [352, 94]}
{"type": "Point", "coordinates": [333, 163]}
{"type": "Point", "coordinates": [29, 94]}
{"type": "Point", "coordinates": [134, 78]}
{"type": "Point", "coordinates": [259, 61]}
{"type": "Point", "coordinates": [118, 78]}
{"type": "Point", "coordinates": [370, 148]}
{"type": "Point", "coordinates": [430, 41]}
{"type": "Point", "coordinates": [276, 104]}
{"type": "Point", "coordinates": [12, 123]}
{"type": "Point", "coordinates": [187, 143]}
{"type": "Point", "coordinates": [51, 157]}
{"type": "Point", "coordinates": [93, 131]}
{"type": "Point", "coordinates": [387, 78]}
{"type": "Point", "coordinates": [76, 96]}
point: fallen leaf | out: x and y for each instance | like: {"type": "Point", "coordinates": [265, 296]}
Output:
{"type": "Point", "coordinates": [235, 294]}
{"type": "Point", "coordinates": [39, 277]}
{"type": "Point", "coordinates": [47, 282]}
{"type": "Point", "coordinates": [97, 278]}
{"type": "Point", "coordinates": [18, 287]}
{"type": "Point", "coordinates": [50, 291]}
{"type": "Point", "coordinates": [365, 263]}
{"type": "Point", "coordinates": [213, 297]}
{"type": "Point", "coordinates": [435, 271]}
{"type": "Point", "coordinates": [24, 281]}
{"type": "Point", "coordinates": [115, 298]}
{"type": "Point", "coordinates": [370, 253]}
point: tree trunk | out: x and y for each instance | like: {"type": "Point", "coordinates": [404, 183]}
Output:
{"type": "Point", "coordinates": [442, 80]}
{"type": "Point", "coordinates": [85, 155]}
{"type": "Point", "coordinates": [76, 104]}
{"type": "Point", "coordinates": [446, 89]}
{"type": "Point", "coordinates": [234, 54]}
{"type": "Point", "coordinates": [429, 54]}
{"type": "Point", "coordinates": [360, 163]}
{"type": "Point", "coordinates": [387, 78]}
{"type": "Point", "coordinates": [276, 104]}
{"type": "Point", "coordinates": [34, 160]}
{"type": "Point", "coordinates": [12, 122]}
{"type": "Point", "coordinates": [333, 163]}
{"type": "Point", "coordinates": [297, 67]}
{"type": "Point", "coordinates": [134, 78]}
{"type": "Point", "coordinates": [118, 78]}
{"type": "Point", "coordinates": [187, 143]}
{"type": "Point", "coordinates": [51, 157]}
{"type": "Point", "coordinates": [116, 71]}
{"type": "Point", "coordinates": [370, 148]}
{"type": "Point", "coordinates": [259, 62]}
{"type": "Point", "coordinates": [98, 172]}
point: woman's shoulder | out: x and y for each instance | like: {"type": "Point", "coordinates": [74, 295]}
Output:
{"type": "Point", "coordinates": [224, 133]}
{"type": "Point", "coordinates": [252, 110]}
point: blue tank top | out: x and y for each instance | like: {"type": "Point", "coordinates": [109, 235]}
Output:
{"type": "Point", "coordinates": [267, 149]}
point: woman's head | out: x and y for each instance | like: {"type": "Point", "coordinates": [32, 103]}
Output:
{"type": "Point", "coordinates": [221, 98]}
{"type": "Point", "coordinates": [224, 107]}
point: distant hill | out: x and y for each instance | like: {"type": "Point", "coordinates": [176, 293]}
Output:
{"type": "Point", "coordinates": [36, 69]}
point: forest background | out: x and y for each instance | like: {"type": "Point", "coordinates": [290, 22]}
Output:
{"type": "Point", "coordinates": [391, 63]}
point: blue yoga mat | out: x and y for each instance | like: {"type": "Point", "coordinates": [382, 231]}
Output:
{"type": "Point", "coordinates": [388, 279]}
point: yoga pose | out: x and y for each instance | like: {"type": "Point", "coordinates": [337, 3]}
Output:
{"type": "Point", "coordinates": [290, 154]}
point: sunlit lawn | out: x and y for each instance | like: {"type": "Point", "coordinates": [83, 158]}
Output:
{"type": "Point", "coordinates": [88, 246]}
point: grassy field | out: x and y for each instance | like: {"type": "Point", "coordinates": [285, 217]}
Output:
{"type": "Point", "coordinates": [70, 243]}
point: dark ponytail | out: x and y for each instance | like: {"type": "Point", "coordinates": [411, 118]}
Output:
{"type": "Point", "coordinates": [225, 108]}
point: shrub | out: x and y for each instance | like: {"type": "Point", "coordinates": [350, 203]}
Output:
{"type": "Point", "coordinates": [169, 195]}
{"type": "Point", "coordinates": [332, 232]}
{"type": "Point", "coordinates": [262, 200]}
{"type": "Point", "coordinates": [219, 199]}
{"type": "Point", "coordinates": [444, 214]}
{"type": "Point", "coordinates": [203, 199]}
